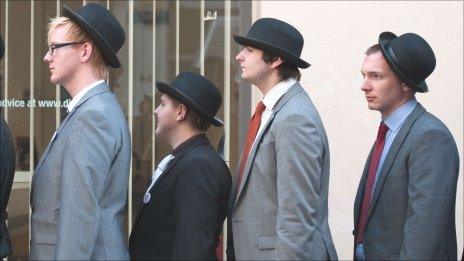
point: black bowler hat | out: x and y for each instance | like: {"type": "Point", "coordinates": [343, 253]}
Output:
{"type": "Point", "coordinates": [277, 38]}
{"type": "Point", "coordinates": [2, 47]}
{"type": "Point", "coordinates": [410, 57]}
{"type": "Point", "coordinates": [102, 27]}
{"type": "Point", "coordinates": [197, 93]}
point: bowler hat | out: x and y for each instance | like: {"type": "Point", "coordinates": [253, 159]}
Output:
{"type": "Point", "coordinates": [2, 47]}
{"type": "Point", "coordinates": [102, 27]}
{"type": "Point", "coordinates": [275, 37]}
{"type": "Point", "coordinates": [410, 57]}
{"type": "Point", "coordinates": [197, 93]}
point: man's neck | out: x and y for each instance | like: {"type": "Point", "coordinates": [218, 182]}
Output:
{"type": "Point", "coordinates": [183, 135]}
{"type": "Point", "coordinates": [267, 83]}
{"type": "Point", "coordinates": [79, 82]}
{"type": "Point", "coordinates": [385, 114]}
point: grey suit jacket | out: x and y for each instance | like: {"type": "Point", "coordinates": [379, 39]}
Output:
{"type": "Point", "coordinates": [412, 212]}
{"type": "Point", "coordinates": [79, 187]}
{"type": "Point", "coordinates": [7, 171]}
{"type": "Point", "coordinates": [280, 211]}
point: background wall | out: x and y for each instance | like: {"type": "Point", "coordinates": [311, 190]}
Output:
{"type": "Point", "coordinates": [336, 35]}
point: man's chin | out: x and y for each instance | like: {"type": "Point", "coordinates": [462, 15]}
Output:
{"type": "Point", "coordinates": [372, 107]}
{"type": "Point", "coordinates": [158, 133]}
{"type": "Point", "coordinates": [55, 81]}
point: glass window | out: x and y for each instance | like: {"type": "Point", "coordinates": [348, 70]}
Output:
{"type": "Point", "coordinates": [158, 52]}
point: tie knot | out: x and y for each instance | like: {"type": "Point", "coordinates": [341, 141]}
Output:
{"type": "Point", "coordinates": [383, 128]}
{"type": "Point", "coordinates": [260, 108]}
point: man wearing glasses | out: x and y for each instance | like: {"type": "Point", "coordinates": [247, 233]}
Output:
{"type": "Point", "coordinates": [79, 187]}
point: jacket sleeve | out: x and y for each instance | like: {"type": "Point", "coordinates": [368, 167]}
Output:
{"type": "Point", "coordinates": [299, 153]}
{"type": "Point", "coordinates": [7, 170]}
{"type": "Point", "coordinates": [433, 168]}
{"type": "Point", "coordinates": [196, 210]}
{"type": "Point", "coordinates": [85, 169]}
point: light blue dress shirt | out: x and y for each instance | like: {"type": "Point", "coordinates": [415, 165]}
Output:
{"type": "Point", "coordinates": [394, 122]}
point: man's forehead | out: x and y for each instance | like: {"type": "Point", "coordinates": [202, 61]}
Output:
{"type": "Point", "coordinates": [375, 62]}
{"type": "Point", "coordinates": [166, 97]}
{"type": "Point", "coordinates": [59, 32]}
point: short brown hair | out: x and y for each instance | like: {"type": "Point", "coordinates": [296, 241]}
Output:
{"type": "Point", "coordinates": [286, 70]}
{"type": "Point", "coordinates": [373, 49]}
{"type": "Point", "coordinates": [76, 34]}
{"type": "Point", "coordinates": [196, 120]}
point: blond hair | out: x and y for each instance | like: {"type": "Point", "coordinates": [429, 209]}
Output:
{"type": "Point", "coordinates": [76, 34]}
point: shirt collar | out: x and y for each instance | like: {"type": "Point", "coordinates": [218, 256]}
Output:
{"type": "Point", "coordinates": [276, 92]}
{"type": "Point", "coordinates": [81, 94]}
{"type": "Point", "coordinates": [188, 144]}
{"type": "Point", "coordinates": [396, 118]}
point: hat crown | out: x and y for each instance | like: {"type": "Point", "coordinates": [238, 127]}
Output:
{"type": "Point", "coordinates": [277, 38]}
{"type": "Point", "coordinates": [197, 93]}
{"type": "Point", "coordinates": [410, 57]}
{"type": "Point", "coordinates": [108, 28]}
{"type": "Point", "coordinates": [102, 27]}
{"type": "Point", "coordinates": [200, 90]}
{"type": "Point", "coordinates": [414, 55]}
{"type": "Point", "coordinates": [278, 33]}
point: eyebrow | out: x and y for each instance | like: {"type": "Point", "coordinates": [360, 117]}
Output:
{"type": "Point", "coordinates": [371, 72]}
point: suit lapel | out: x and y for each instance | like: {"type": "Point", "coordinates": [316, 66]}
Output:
{"type": "Point", "coordinates": [171, 164]}
{"type": "Point", "coordinates": [361, 188]}
{"type": "Point", "coordinates": [142, 205]}
{"type": "Point", "coordinates": [392, 152]}
{"type": "Point", "coordinates": [103, 87]}
{"type": "Point", "coordinates": [295, 89]}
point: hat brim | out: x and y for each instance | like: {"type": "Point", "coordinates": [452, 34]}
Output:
{"type": "Point", "coordinates": [98, 39]}
{"type": "Point", "coordinates": [169, 90]}
{"type": "Point", "coordinates": [384, 40]}
{"type": "Point", "coordinates": [272, 49]}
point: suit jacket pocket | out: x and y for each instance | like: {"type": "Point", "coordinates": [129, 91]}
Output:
{"type": "Point", "coordinates": [267, 242]}
{"type": "Point", "coordinates": [44, 239]}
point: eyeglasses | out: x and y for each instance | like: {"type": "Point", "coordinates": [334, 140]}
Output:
{"type": "Point", "coordinates": [52, 47]}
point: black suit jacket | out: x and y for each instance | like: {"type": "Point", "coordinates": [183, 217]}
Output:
{"type": "Point", "coordinates": [187, 208]}
{"type": "Point", "coordinates": [7, 169]}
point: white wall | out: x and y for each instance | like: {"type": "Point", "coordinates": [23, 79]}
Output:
{"type": "Point", "coordinates": [336, 35]}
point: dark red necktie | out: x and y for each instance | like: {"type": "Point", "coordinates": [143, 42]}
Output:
{"type": "Point", "coordinates": [373, 166]}
{"type": "Point", "coordinates": [253, 128]}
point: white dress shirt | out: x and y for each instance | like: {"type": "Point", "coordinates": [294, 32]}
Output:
{"type": "Point", "coordinates": [81, 94]}
{"type": "Point", "coordinates": [159, 170]}
{"type": "Point", "coordinates": [271, 98]}
{"type": "Point", "coordinates": [77, 98]}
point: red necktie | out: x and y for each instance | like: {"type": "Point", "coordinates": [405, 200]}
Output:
{"type": "Point", "coordinates": [373, 165]}
{"type": "Point", "coordinates": [253, 128]}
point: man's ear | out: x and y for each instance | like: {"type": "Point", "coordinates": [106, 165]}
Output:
{"type": "Point", "coordinates": [405, 87]}
{"type": "Point", "coordinates": [276, 63]}
{"type": "Point", "coordinates": [181, 112]}
{"type": "Point", "coordinates": [86, 52]}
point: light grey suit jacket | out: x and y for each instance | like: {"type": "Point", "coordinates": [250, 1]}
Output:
{"type": "Point", "coordinates": [79, 187]}
{"type": "Point", "coordinates": [280, 211]}
{"type": "Point", "coordinates": [412, 212]}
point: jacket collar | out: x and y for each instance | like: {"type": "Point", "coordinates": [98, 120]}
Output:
{"type": "Point", "coordinates": [294, 90]}
{"type": "Point", "coordinates": [189, 144]}
{"type": "Point", "coordinates": [178, 153]}
{"type": "Point", "coordinates": [389, 160]}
